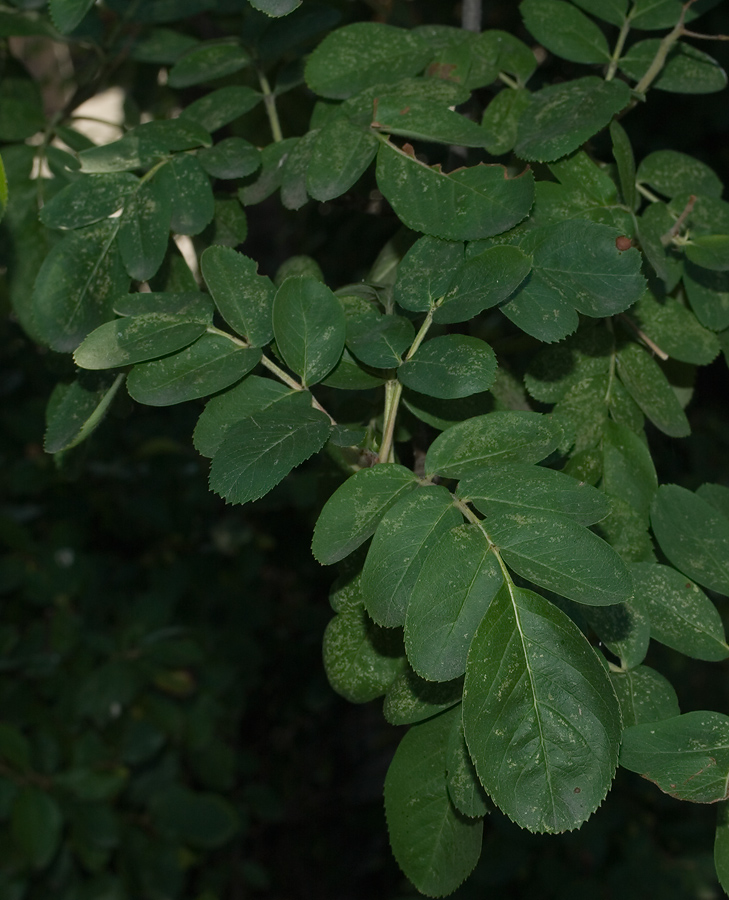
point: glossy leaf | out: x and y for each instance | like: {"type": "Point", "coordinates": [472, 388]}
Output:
{"type": "Point", "coordinates": [363, 54]}
{"type": "Point", "coordinates": [208, 61]}
{"type": "Point", "coordinates": [467, 204]}
{"type": "Point", "coordinates": [434, 845]}
{"type": "Point", "coordinates": [403, 540]}
{"type": "Point", "coordinates": [243, 297]}
{"type": "Point", "coordinates": [693, 535]}
{"type": "Point", "coordinates": [498, 437]}
{"type": "Point", "coordinates": [449, 367]}
{"type": "Point", "coordinates": [144, 145]}
{"type": "Point", "coordinates": [644, 696]}
{"type": "Point", "coordinates": [210, 364]}
{"type": "Point", "coordinates": [76, 284]}
{"type": "Point", "coordinates": [276, 7]}
{"type": "Point", "coordinates": [483, 281]}
{"type": "Point", "coordinates": [561, 117]}
{"type": "Point", "coordinates": [360, 658]}
{"type": "Point", "coordinates": [309, 327]}
{"type": "Point", "coordinates": [259, 451]}
{"type": "Point", "coordinates": [687, 70]}
{"type": "Point", "coordinates": [561, 556]}
{"type": "Point", "coordinates": [542, 728]}
{"type": "Point", "coordinates": [520, 486]}
{"type": "Point", "coordinates": [565, 31]}
{"type": "Point", "coordinates": [340, 154]}
{"type": "Point", "coordinates": [355, 509]}
{"type": "Point", "coordinates": [426, 272]}
{"type": "Point", "coordinates": [458, 581]}
{"type": "Point", "coordinates": [74, 411]}
{"type": "Point", "coordinates": [411, 699]}
{"type": "Point", "coordinates": [650, 389]}
{"type": "Point", "coordinates": [682, 616]}
{"type": "Point", "coordinates": [244, 400]}
{"type": "Point", "coordinates": [686, 756]}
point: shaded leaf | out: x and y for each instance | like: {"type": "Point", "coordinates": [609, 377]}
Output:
{"type": "Point", "coordinates": [88, 199]}
{"type": "Point", "coordinates": [339, 155]}
{"type": "Point", "coordinates": [644, 696]}
{"type": "Point", "coordinates": [687, 70]}
{"type": "Point", "coordinates": [671, 173]}
{"type": "Point", "coordinates": [144, 230]}
{"type": "Point", "coordinates": [232, 157]}
{"type": "Point", "coordinates": [411, 699]}
{"type": "Point", "coordinates": [36, 824]}
{"type": "Point", "coordinates": [206, 62]}
{"type": "Point", "coordinates": [464, 788]}
{"type": "Point", "coordinates": [649, 387]}
{"type": "Point", "coordinates": [77, 410]}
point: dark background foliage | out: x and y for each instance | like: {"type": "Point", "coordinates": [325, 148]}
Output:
{"type": "Point", "coordinates": [120, 564]}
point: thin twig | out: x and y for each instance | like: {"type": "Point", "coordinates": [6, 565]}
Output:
{"type": "Point", "coordinates": [661, 354]}
{"type": "Point", "coordinates": [674, 230]}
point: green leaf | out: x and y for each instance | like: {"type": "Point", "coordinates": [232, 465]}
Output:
{"type": "Point", "coordinates": [123, 342]}
{"type": "Point", "coordinates": [541, 719]}
{"type": "Point", "coordinates": [708, 294]}
{"type": "Point", "coordinates": [295, 170]}
{"type": "Point", "coordinates": [190, 306]}
{"type": "Point", "coordinates": [449, 367]}
{"type": "Point", "coordinates": [649, 387]}
{"type": "Point", "coordinates": [76, 284]}
{"type": "Point", "coordinates": [406, 534]}
{"type": "Point", "coordinates": [358, 56]}
{"type": "Point", "coordinates": [575, 265]}
{"type": "Point", "coordinates": [14, 747]}
{"type": "Point", "coordinates": [511, 486]}
{"type": "Point", "coordinates": [354, 510]}
{"type": "Point", "coordinates": [188, 187]}
{"type": "Point", "coordinates": [682, 616]}
{"type": "Point", "coordinates": [67, 14]}
{"type": "Point", "coordinates": [426, 121]}
{"type": "Point", "coordinates": [624, 629]}
{"type": "Point", "coordinates": [672, 173]}
{"type": "Point", "coordinates": [628, 470]}
{"type": "Point", "coordinates": [721, 845]}
{"type": "Point", "coordinates": [258, 452]}
{"type": "Point", "coordinates": [561, 117]}
{"type": "Point", "coordinates": [623, 153]}
{"type": "Point", "coordinates": [686, 756]}
{"type": "Point", "coordinates": [161, 45]}
{"type": "Point", "coordinates": [644, 696]}
{"type": "Point", "coordinates": [426, 272]}
{"type": "Point", "coordinates": [565, 31]}
{"type": "Point", "coordinates": [501, 119]}
{"type": "Point", "coordinates": [145, 145]}
{"type": "Point", "coordinates": [716, 495]}
{"type": "Point", "coordinates": [276, 7]}
{"type": "Point", "coordinates": [360, 658]}
{"type": "Point", "coordinates": [21, 109]}
{"type": "Point", "coordinates": [339, 155]}
{"type": "Point", "coordinates": [207, 366]}
{"type": "Point", "coordinates": [693, 535]}
{"type": "Point", "coordinates": [77, 411]}
{"type": "Point", "coordinates": [88, 199]}
{"type": "Point", "coordinates": [206, 62]}
{"type": "Point", "coordinates": [626, 530]}
{"type": "Point", "coordinates": [613, 11]}
{"type": "Point", "coordinates": [497, 437]}
{"type": "Point", "coordinates": [244, 400]}
{"type": "Point", "coordinates": [381, 341]}
{"type": "Point", "coordinates": [243, 297]}
{"type": "Point", "coordinates": [144, 230]}
{"type": "Point", "coordinates": [560, 555]}
{"type": "Point", "coordinates": [273, 161]}
{"type": "Point", "coordinates": [434, 845]}
{"type": "Point", "coordinates": [411, 699]}
{"type": "Point", "coordinates": [467, 204]}
{"type": "Point", "coordinates": [483, 281]}
{"type": "Point", "coordinates": [675, 329]}
{"type": "Point", "coordinates": [464, 788]}
{"type": "Point", "coordinates": [201, 819]}
{"type": "Point", "coordinates": [711, 251]}
{"type": "Point", "coordinates": [652, 15]}
{"type": "Point", "coordinates": [221, 107]}
{"type": "Point", "coordinates": [687, 70]}
{"type": "Point", "coordinates": [667, 263]}
{"type": "Point", "coordinates": [506, 53]}
{"type": "Point", "coordinates": [458, 580]}
{"type": "Point", "coordinates": [309, 327]}
{"type": "Point", "coordinates": [230, 158]}
{"type": "Point", "coordinates": [3, 189]}
{"type": "Point", "coordinates": [36, 824]}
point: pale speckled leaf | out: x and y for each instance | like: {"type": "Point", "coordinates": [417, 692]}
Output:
{"type": "Point", "coordinates": [127, 341]}
{"type": "Point", "coordinates": [628, 470]}
{"type": "Point", "coordinates": [675, 329]}
{"type": "Point", "coordinates": [223, 106]}
{"type": "Point", "coordinates": [144, 230]}
{"type": "Point", "coordinates": [411, 699]}
{"type": "Point", "coordinates": [309, 327]}
{"type": "Point", "coordinates": [449, 367]}
{"type": "Point", "coordinates": [74, 411]}
{"type": "Point", "coordinates": [88, 199]}
{"type": "Point", "coordinates": [403, 539]}
{"type": "Point", "coordinates": [208, 61]}
{"type": "Point", "coordinates": [464, 205]}
{"type": "Point", "coordinates": [434, 845]}
{"type": "Point", "coordinates": [497, 437]}
{"type": "Point", "coordinates": [650, 389]}
{"type": "Point", "coordinates": [624, 629]}
{"type": "Point", "coordinates": [232, 157]}
{"type": "Point", "coordinates": [670, 173]}
{"type": "Point", "coordinates": [541, 719]}
{"type": "Point", "coordinates": [565, 31]}
{"type": "Point", "coordinates": [188, 186]}
{"type": "Point", "coordinates": [458, 580]}
{"type": "Point", "coordinates": [243, 297]}
{"type": "Point", "coordinates": [644, 696]}
{"type": "Point", "coordinates": [708, 294]}
{"type": "Point", "coordinates": [464, 788]}
{"type": "Point", "coordinates": [686, 756]}
{"type": "Point", "coordinates": [354, 510]}
{"type": "Point", "coordinates": [339, 155]}
{"type": "Point", "coordinates": [426, 272]}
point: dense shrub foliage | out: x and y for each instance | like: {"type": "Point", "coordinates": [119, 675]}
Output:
{"type": "Point", "coordinates": [437, 290]}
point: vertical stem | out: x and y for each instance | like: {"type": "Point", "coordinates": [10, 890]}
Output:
{"type": "Point", "coordinates": [269, 100]}
{"type": "Point", "coordinates": [393, 392]}
{"type": "Point", "coordinates": [659, 60]}
{"type": "Point", "coordinates": [615, 58]}
{"type": "Point", "coordinates": [471, 15]}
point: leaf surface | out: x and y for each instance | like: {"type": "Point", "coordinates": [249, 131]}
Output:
{"type": "Point", "coordinates": [644, 696]}
{"type": "Point", "coordinates": [565, 31]}
{"type": "Point", "coordinates": [243, 297]}
{"type": "Point", "coordinates": [449, 367]}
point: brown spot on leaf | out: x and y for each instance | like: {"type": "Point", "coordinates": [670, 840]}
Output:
{"type": "Point", "coordinates": [443, 70]}
{"type": "Point", "coordinates": [405, 111]}
{"type": "Point", "coordinates": [623, 243]}
{"type": "Point", "coordinates": [577, 790]}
